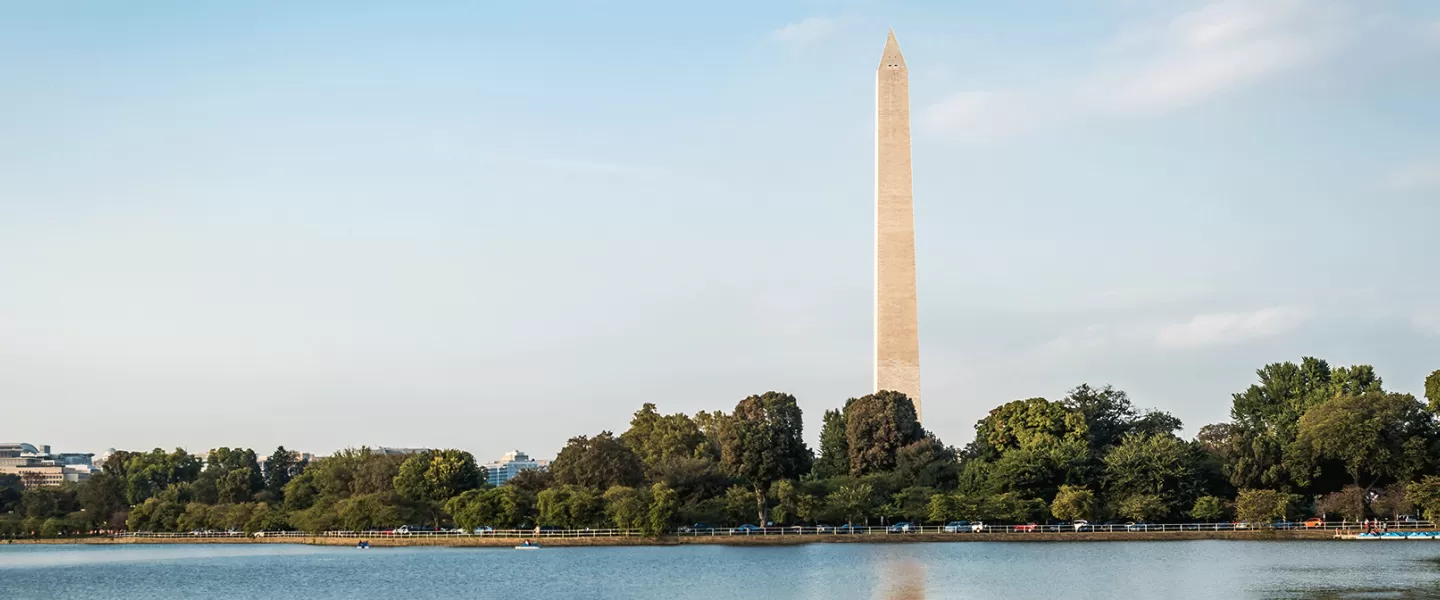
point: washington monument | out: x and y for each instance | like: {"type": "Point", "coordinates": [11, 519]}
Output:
{"type": "Point", "coordinates": [897, 336]}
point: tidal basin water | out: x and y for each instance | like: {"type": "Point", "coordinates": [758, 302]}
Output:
{"type": "Point", "coordinates": [1048, 571]}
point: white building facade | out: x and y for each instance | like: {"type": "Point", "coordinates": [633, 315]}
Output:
{"type": "Point", "coordinates": [510, 465]}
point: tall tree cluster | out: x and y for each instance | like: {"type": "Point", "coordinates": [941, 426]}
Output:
{"type": "Point", "coordinates": [1304, 439]}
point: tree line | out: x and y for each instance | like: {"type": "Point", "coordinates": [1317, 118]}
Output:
{"type": "Point", "coordinates": [1305, 439]}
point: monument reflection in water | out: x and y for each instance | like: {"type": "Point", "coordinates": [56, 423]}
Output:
{"type": "Point", "coordinates": [907, 580]}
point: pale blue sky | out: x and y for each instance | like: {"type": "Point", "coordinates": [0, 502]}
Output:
{"type": "Point", "coordinates": [498, 225]}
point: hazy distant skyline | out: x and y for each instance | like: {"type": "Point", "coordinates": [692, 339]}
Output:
{"type": "Point", "coordinates": [498, 226]}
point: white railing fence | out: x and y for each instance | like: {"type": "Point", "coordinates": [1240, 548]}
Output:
{"type": "Point", "coordinates": [822, 530]}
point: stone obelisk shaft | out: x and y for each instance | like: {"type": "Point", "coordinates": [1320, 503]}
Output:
{"type": "Point", "coordinates": [897, 338]}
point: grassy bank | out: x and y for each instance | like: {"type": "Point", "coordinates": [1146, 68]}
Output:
{"type": "Point", "coordinates": [735, 540]}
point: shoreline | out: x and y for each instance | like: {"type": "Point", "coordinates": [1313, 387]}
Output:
{"type": "Point", "coordinates": [723, 540]}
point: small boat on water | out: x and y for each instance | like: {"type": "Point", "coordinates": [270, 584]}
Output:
{"type": "Point", "coordinates": [363, 545]}
{"type": "Point", "coordinates": [528, 546]}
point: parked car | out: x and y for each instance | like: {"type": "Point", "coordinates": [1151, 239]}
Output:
{"type": "Point", "coordinates": [824, 528]}
{"type": "Point", "coordinates": [957, 527]}
{"type": "Point", "coordinates": [848, 528]}
{"type": "Point", "coordinates": [901, 527]}
{"type": "Point", "coordinates": [978, 527]}
{"type": "Point", "coordinates": [1058, 526]}
{"type": "Point", "coordinates": [1282, 524]}
{"type": "Point", "coordinates": [1137, 526]}
{"type": "Point", "coordinates": [483, 529]}
{"type": "Point", "coordinates": [696, 528]}
{"type": "Point", "coordinates": [1314, 522]}
{"type": "Point", "coordinates": [1027, 528]}
{"type": "Point", "coordinates": [1081, 525]}
{"type": "Point", "coordinates": [746, 529]}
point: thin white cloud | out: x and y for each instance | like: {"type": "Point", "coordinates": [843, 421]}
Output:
{"type": "Point", "coordinates": [810, 30]}
{"type": "Point", "coordinates": [1419, 175]}
{"type": "Point", "coordinates": [1221, 48]}
{"type": "Point", "coordinates": [1216, 329]}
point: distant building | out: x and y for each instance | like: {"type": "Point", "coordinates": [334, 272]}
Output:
{"type": "Point", "coordinates": [104, 456]}
{"type": "Point", "coordinates": [38, 468]}
{"type": "Point", "coordinates": [510, 465]}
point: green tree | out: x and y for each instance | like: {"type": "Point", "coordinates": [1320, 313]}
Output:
{"type": "Point", "coordinates": [1038, 472]}
{"type": "Point", "coordinates": [928, 463]}
{"type": "Point", "coordinates": [1425, 495]}
{"type": "Point", "coordinates": [1012, 508]}
{"type": "Point", "coordinates": [1432, 391]}
{"type": "Point", "coordinates": [763, 442]}
{"type": "Point", "coordinates": [1374, 435]}
{"type": "Point", "coordinates": [942, 508]}
{"type": "Point", "coordinates": [515, 507]}
{"type": "Point", "coordinates": [656, 438]}
{"type": "Point", "coordinates": [599, 463]}
{"type": "Point", "coordinates": [196, 516]}
{"type": "Point", "coordinates": [627, 507]}
{"type": "Point", "coordinates": [1110, 416]}
{"type": "Point", "coordinates": [694, 479]}
{"type": "Point", "coordinates": [853, 502]}
{"type": "Point", "coordinates": [712, 424]}
{"type": "Point", "coordinates": [1260, 506]}
{"type": "Point", "coordinates": [1074, 503]}
{"type": "Point", "coordinates": [316, 519]}
{"type": "Point", "coordinates": [1143, 507]}
{"type": "Point", "coordinates": [787, 501]}
{"type": "Point", "coordinates": [571, 507]}
{"type": "Point", "coordinates": [148, 474]}
{"type": "Point", "coordinates": [1248, 457]}
{"type": "Point", "coordinates": [877, 426]}
{"type": "Point", "coordinates": [1209, 509]}
{"type": "Point", "coordinates": [910, 504]}
{"type": "Point", "coordinates": [1349, 503]}
{"type": "Point", "coordinates": [368, 512]}
{"type": "Point", "coordinates": [432, 477]}
{"type": "Point", "coordinates": [235, 486]}
{"type": "Point", "coordinates": [101, 496]}
{"type": "Point", "coordinates": [11, 486]}
{"type": "Point", "coordinates": [834, 459]}
{"type": "Point", "coordinates": [1265, 420]}
{"type": "Point", "coordinates": [45, 502]}
{"type": "Point", "coordinates": [266, 518]}
{"type": "Point", "coordinates": [505, 507]}
{"type": "Point", "coordinates": [531, 480]}
{"type": "Point", "coordinates": [156, 515]}
{"type": "Point", "coordinates": [280, 467]}
{"type": "Point", "coordinates": [1158, 466]}
{"type": "Point", "coordinates": [1031, 424]}
{"type": "Point", "coordinates": [230, 476]}
{"type": "Point", "coordinates": [664, 503]}
{"type": "Point", "coordinates": [54, 527]}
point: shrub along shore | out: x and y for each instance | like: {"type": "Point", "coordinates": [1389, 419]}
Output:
{"type": "Point", "coordinates": [737, 540]}
{"type": "Point", "coordinates": [1305, 440]}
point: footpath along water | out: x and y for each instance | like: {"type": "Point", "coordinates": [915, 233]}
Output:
{"type": "Point", "coordinates": [985, 570]}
